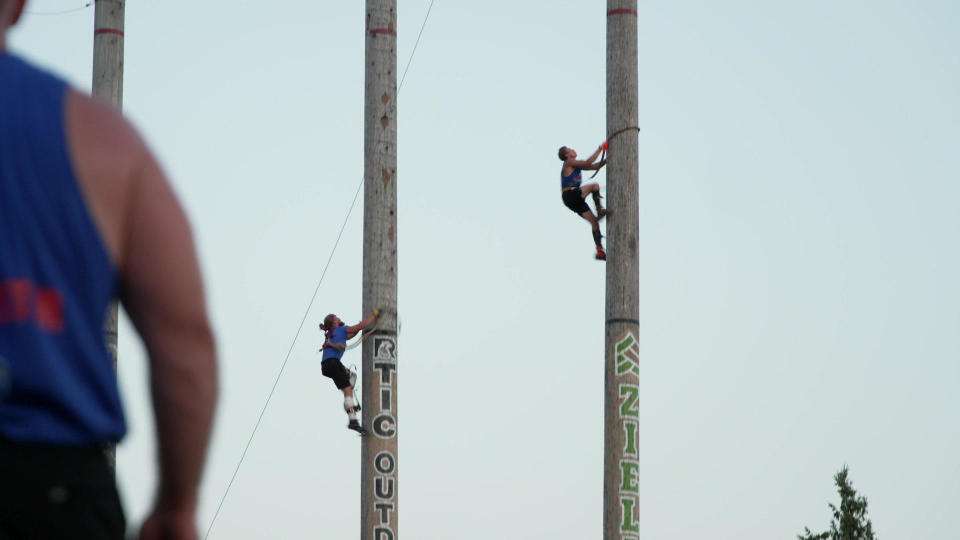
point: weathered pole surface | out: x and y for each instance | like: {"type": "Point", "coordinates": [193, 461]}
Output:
{"type": "Point", "coordinates": [621, 351]}
{"type": "Point", "coordinates": [108, 51]}
{"type": "Point", "coordinates": [108, 86]}
{"type": "Point", "coordinates": [379, 465]}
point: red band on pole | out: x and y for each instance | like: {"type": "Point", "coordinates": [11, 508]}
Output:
{"type": "Point", "coordinates": [99, 31]}
{"type": "Point", "coordinates": [622, 12]}
{"type": "Point", "coordinates": [388, 31]}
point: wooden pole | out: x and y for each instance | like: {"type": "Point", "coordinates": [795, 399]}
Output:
{"type": "Point", "coordinates": [379, 487]}
{"type": "Point", "coordinates": [108, 86]}
{"type": "Point", "coordinates": [621, 350]}
{"type": "Point", "coordinates": [108, 51]}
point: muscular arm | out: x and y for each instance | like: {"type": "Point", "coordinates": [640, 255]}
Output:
{"type": "Point", "coordinates": [587, 164]}
{"type": "Point", "coordinates": [337, 346]}
{"type": "Point", "coordinates": [595, 166]}
{"type": "Point", "coordinates": [352, 330]}
{"type": "Point", "coordinates": [150, 243]}
{"type": "Point", "coordinates": [162, 291]}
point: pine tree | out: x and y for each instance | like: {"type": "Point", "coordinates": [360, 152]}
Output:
{"type": "Point", "coordinates": [850, 520]}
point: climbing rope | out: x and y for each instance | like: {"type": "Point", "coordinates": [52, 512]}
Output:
{"type": "Point", "coordinates": [312, 299]}
{"type": "Point", "coordinates": [353, 367]}
{"type": "Point", "coordinates": [619, 131]}
{"type": "Point", "coordinates": [603, 154]}
{"type": "Point", "coordinates": [366, 333]}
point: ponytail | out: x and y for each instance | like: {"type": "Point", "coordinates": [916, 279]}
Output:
{"type": "Point", "coordinates": [327, 323]}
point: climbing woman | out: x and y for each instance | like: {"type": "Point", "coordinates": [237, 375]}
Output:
{"type": "Point", "coordinates": [574, 195]}
{"type": "Point", "coordinates": [336, 334]}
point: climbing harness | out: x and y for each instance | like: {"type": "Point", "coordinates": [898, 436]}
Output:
{"type": "Point", "coordinates": [603, 154]}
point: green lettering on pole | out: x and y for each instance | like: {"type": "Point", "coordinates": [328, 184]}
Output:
{"type": "Point", "coordinates": [631, 436]}
{"type": "Point", "coordinates": [629, 524]}
{"type": "Point", "coordinates": [628, 355]}
{"type": "Point", "coordinates": [630, 406]}
{"type": "Point", "coordinates": [629, 477]}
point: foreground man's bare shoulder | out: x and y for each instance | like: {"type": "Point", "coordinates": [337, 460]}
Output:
{"type": "Point", "coordinates": [108, 156]}
{"type": "Point", "coordinates": [103, 140]}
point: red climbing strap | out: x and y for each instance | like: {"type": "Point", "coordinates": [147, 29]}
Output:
{"type": "Point", "coordinates": [606, 144]}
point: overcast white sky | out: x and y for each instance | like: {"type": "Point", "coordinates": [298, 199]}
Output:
{"type": "Point", "coordinates": [800, 307]}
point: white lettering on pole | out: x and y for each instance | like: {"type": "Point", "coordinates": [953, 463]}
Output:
{"type": "Point", "coordinates": [384, 426]}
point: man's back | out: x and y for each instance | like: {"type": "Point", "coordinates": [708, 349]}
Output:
{"type": "Point", "coordinates": [87, 215]}
{"type": "Point", "coordinates": [56, 279]}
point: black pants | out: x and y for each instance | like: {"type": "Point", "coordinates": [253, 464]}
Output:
{"type": "Point", "coordinates": [333, 368]}
{"type": "Point", "coordinates": [49, 492]}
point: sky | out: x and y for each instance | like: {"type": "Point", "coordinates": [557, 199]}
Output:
{"type": "Point", "coordinates": [799, 300]}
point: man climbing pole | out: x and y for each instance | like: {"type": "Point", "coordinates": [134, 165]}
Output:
{"type": "Point", "coordinates": [574, 195]}
{"type": "Point", "coordinates": [336, 334]}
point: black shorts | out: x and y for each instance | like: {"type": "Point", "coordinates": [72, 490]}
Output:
{"type": "Point", "coordinates": [573, 199]}
{"type": "Point", "coordinates": [331, 367]}
{"type": "Point", "coordinates": [57, 492]}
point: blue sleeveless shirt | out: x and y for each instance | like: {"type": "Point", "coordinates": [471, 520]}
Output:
{"type": "Point", "coordinates": [570, 181]}
{"type": "Point", "coordinates": [57, 379]}
{"type": "Point", "coordinates": [338, 336]}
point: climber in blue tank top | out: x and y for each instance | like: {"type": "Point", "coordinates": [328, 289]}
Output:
{"type": "Point", "coordinates": [574, 195]}
{"type": "Point", "coordinates": [335, 341]}
{"type": "Point", "coordinates": [572, 180]}
{"type": "Point", "coordinates": [336, 334]}
{"type": "Point", "coordinates": [87, 217]}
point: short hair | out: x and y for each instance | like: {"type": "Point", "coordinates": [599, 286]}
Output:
{"type": "Point", "coordinates": [562, 153]}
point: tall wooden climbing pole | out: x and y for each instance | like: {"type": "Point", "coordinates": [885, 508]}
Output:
{"type": "Point", "coordinates": [621, 483]}
{"type": "Point", "coordinates": [379, 479]}
{"type": "Point", "coordinates": [108, 86]}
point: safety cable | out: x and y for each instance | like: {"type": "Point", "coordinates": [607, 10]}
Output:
{"type": "Point", "coordinates": [312, 299]}
{"type": "Point", "coordinates": [284, 365]}
{"type": "Point", "coordinates": [62, 12]}
{"type": "Point", "coordinates": [422, 26]}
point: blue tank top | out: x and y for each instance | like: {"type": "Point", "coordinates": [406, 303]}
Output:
{"type": "Point", "coordinates": [570, 181]}
{"type": "Point", "coordinates": [57, 379]}
{"type": "Point", "coordinates": [337, 336]}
